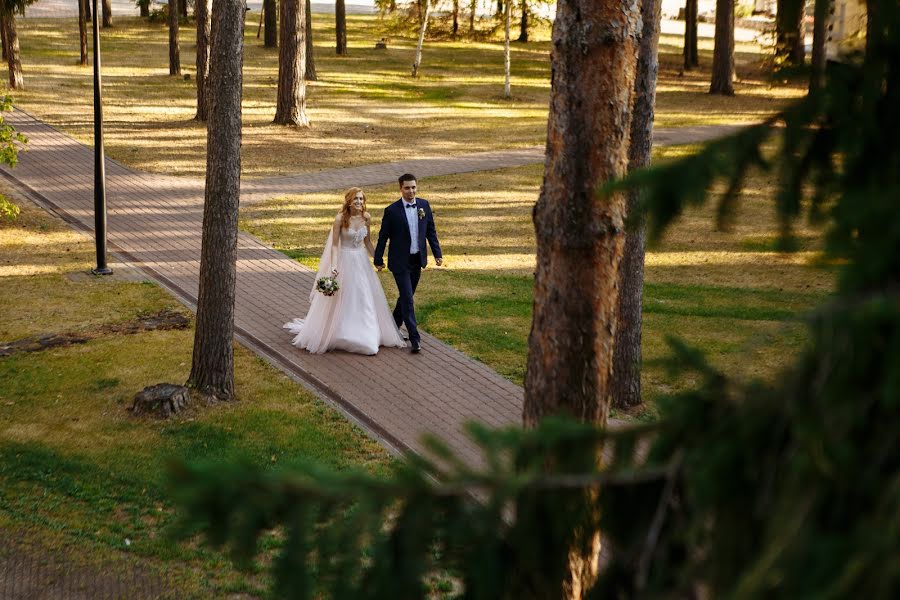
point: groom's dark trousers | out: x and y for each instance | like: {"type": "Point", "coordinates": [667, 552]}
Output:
{"type": "Point", "coordinates": [404, 311]}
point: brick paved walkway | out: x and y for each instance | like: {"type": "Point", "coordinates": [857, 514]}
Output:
{"type": "Point", "coordinates": [155, 223]}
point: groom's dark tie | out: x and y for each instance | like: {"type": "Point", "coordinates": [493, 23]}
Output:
{"type": "Point", "coordinates": [410, 206]}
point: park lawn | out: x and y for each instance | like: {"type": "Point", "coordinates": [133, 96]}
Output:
{"type": "Point", "coordinates": [727, 292]}
{"type": "Point", "coordinates": [364, 108]}
{"type": "Point", "coordinates": [80, 477]}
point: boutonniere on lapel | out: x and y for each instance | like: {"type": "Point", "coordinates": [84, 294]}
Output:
{"type": "Point", "coordinates": [421, 213]}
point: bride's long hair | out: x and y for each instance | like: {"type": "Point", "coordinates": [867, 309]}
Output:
{"type": "Point", "coordinates": [348, 201]}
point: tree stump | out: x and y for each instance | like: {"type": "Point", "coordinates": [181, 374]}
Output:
{"type": "Point", "coordinates": [161, 400]}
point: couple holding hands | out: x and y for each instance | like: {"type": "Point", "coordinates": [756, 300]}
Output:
{"type": "Point", "coordinates": [356, 318]}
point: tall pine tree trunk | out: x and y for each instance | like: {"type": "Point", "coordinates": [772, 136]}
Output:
{"type": "Point", "coordinates": [308, 40]}
{"type": "Point", "coordinates": [82, 34]}
{"type": "Point", "coordinates": [145, 8]}
{"type": "Point", "coordinates": [182, 9]}
{"type": "Point", "coordinates": [423, 25]}
{"type": "Point", "coordinates": [691, 57]}
{"type": "Point", "coordinates": [107, 13]}
{"type": "Point", "coordinates": [174, 52]}
{"type": "Point", "coordinates": [212, 370]}
{"type": "Point", "coordinates": [3, 41]}
{"type": "Point", "coordinates": [723, 53]}
{"type": "Point", "coordinates": [580, 237]}
{"type": "Point", "coordinates": [472, 8]}
{"type": "Point", "coordinates": [523, 24]}
{"type": "Point", "coordinates": [789, 44]}
{"type": "Point", "coordinates": [820, 27]}
{"type": "Point", "coordinates": [290, 108]}
{"type": "Point", "coordinates": [201, 10]}
{"type": "Point", "coordinates": [340, 28]}
{"type": "Point", "coordinates": [455, 18]}
{"type": "Point", "coordinates": [626, 383]}
{"type": "Point", "coordinates": [16, 81]}
{"type": "Point", "coordinates": [270, 13]}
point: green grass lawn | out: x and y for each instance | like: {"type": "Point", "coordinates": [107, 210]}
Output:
{"type": "Point", "coordinates": [79, 476]}
{"type": "Point", "coordinates": [728, 292]}
{"type": "Point", "coordinates": [364, 108]}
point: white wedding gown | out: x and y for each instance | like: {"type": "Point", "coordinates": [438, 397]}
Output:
{"type": "Point", "coordinates": [356, 318]}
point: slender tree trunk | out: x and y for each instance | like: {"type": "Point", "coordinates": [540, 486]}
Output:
{"type": "Point", "coordinates": [201, 10]}
{"type": "Point", "coordinates": [82, 34]}
{"type": "Point", "coordinates": [579, 237]}
{"type": "Point", "coordinates": [174, 53]}
{"type": "Point", "coordinates": [107, 13]}
{"type": "Point", "coordinates": [523, 24]}
{"type": "Point", "coordinates": [16, 81]}
{"type": "Point", "coordinates": [340, 27]}
{"type": "Point", "coordinates": [212, 370]}
{"type": "Point", "coordinates": [145, 8]}
{"type": "Point", "coordinates": [310, 50]}
{"type": "Point", "coordinates": [626, 382]}
{"type": "Point", "coordinates": [691, 56]}
{"type": "Point", "coordinates": [789, 44]}
{"type": "Point", "coordinates": [723, 53]}
{"type": "Point", "coordinates": [422, 27]}
{"type": "Point", "coordinates": [472, 8]}
{"type": "Point", "coordinates": [3, 42]}
{"type": "Point", "coordinates": [455, 18]}
{"type": "Point", "coordinates": [820, 25]}
{"type": "Point", "coordinates": [182, 9]}
{"type": "Point", "coordinates": [506, 65]}
{"type": "Point", "coordinates": [291, 106]}
{"type": "Point", "coordinates": [270, 13]}
{"type": "Point", "coordinates": [87, 10]}
{"type": "Point", "coordinates": [499, 8]}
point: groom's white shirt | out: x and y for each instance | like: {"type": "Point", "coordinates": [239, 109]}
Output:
{"type": "Point", "coordinates": [412, 218]}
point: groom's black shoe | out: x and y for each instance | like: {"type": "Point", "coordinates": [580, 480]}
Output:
{"type": "Point", "coordinates": [414, 349]}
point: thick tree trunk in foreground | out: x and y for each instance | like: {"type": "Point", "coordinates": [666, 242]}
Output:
{"type": "Point", "coordinates": [580, 236]}
{"type": "Point", "coordinates": [82, 34]}
{"type": "Point", "coordinates": [723, 54]}
{"type": "Point", "coordinates": [212, 371]}
{"type": "Point", "coordinates": [340, 28]}
{"type": "Point", "coordinates": [290, 108]}
{"type": "Point", "coordinates": [16, 81]}
{"type": "Point", "coordinates": [270, 14]}
{"type": "Point", "coordinates": [423, 26]}
{"type": "Point", "coordinates": [789, 45]}
{"type": "Point", "coordinates": [691, 58]}
{"type": "Point", "coordinates": [523, 24]}
{"type": "Point", "coordinates": [107, 13]}
{"type": "Point", "coordinates": [174, 53]}
{"type": "Point", "coordinates": [201, 9]}
{"type": "Point", "coordinates": [310, 60]}
{"type": "Point", "coordinates": [626, 382]}
{"type": "Point", "coordinates": [820, 26]}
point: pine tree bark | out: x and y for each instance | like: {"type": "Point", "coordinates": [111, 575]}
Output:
{"type": "Point", "coordinates": [16, 80]}
{"type": "Point", "coordinates": [204, 29]}
{"type": "Point", "coordinates": [174, 52]}
{"type": "Point", "coordinates": [82, 34]}
{"type": "Point", "coordinates": [580, 236]}
{"type": "Point", "coordinates": [691, 57]}
{"type": "Point", "coordinates": [340, 27]}
{"type": "Point", "coordinates": [626, 382]}
{"type": "Point", "coordinates": [107, 13]}
{"type": "Point", "coordinates": [820, 32]}
{"type": "Point", "coordinates": [270, 14]}
{"type": "Point", "coordinates": [523, 23]}
{"type": "Point", "coordinates": [789, 44]}
{"type": "Point", "coordinates": [308, 41]}
{"type": "Point", "coordinates": [290, 108]}
{"type": "Point", "coordinates": [723, 53]}
{"type": "Point", "coordinates": [212, 370]}
{"type": "Point", "coordinates": [423, 26]}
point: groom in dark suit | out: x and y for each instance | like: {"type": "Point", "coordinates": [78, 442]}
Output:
{"type": "Point", "coordinates": [407, 223]}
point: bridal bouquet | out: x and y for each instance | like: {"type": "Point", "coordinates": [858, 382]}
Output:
{"type": "Point", "coordinates": [327, 285]}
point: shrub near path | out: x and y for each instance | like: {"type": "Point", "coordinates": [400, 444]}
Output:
{"type": "Point", "coordinates": [78, 475]}
{"type": "Point", "coordinates": [364, 108]}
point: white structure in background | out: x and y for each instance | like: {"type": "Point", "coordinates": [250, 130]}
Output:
{"type": "Point", "coordinates": [846, 29]}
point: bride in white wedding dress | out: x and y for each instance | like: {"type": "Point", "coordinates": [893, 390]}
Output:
{"type": "Point", "coordinates": [356, 318]}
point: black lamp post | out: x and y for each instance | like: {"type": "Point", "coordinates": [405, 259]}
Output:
{"type": "Point", "coordinates": [99, 167]}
